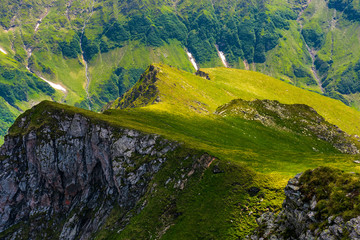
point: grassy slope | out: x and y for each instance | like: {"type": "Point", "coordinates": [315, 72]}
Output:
{"type": "Point", "coordinates": [276, 154]}
{"type": "Point", "coordinates": [218, 205]}
{"type": "Point", "coordinates": [214, 208]}
{"type": "Point", "coordinates": [340, 45]}
{"type": "Point", "coordinates": [290, 51]}
{"type": "Point", "coordinates": [70, 72]}
{"type": "Point", "coordinates": [136, 55]}
{"type": "Point", "coordinates": [176, 86]}
{"type": "Point", "coordinates": [183, 96]}
{"type": "Point", "coordinates": [34, 96]}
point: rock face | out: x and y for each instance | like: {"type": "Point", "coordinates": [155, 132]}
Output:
{"type": "Point", "coordinates": [63, 179]}
{"type": "Point", "coordinates": [298, 217]}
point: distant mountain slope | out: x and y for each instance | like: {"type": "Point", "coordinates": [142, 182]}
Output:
{"type": "Point", "coordinates": [97, 49]}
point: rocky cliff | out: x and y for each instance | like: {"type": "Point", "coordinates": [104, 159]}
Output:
{"type": "Point", "coordinates": [63, 173]}
{"type": "Point", "coordinates": [320, 204]}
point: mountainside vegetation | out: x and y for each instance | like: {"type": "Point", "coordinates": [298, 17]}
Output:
{"type": "Point", "coordinates": [116, 134]}
{"type": "Point", "coordinates": [97, 49]}
{"type": "Point", "coordinates": [256, 145]}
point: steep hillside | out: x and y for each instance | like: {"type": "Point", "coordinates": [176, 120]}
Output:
{"type": "Point", "coordinates": [180, 160]}
{"type": "Point", "coordinates": [177, 91]}
{"type": "Point", "coordinates": [92, 51]}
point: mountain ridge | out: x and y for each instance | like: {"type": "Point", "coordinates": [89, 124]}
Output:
{"type": "Point", "coordinates": [175, 90]}
{"type": "Point", "coordinates": [178, 170]}
{"type": "Point", "coordinates": [104, 47]}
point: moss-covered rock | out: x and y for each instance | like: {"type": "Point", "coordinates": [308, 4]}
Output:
{"type": "Point", "coordinates": [320, 204]}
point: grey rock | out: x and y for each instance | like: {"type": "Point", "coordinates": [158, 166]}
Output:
{"type": "Point", "coordinates": [297, 216]}
{"type": "Point", "coordinates": [82, 167]}
{"type": "Point", "coordinates": [313, 203]}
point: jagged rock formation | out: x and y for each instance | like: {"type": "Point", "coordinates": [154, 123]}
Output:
{"type": "Point", "coordinates": [143, 93]}
{"type": "Point", "coordinates": [202, 74]}
{"type": "Point", "coordinates": [62, 174]}
{"type": "Point", "coordinates": [303, 216]}
{"type": "Point", "coordinates": [298, 118]}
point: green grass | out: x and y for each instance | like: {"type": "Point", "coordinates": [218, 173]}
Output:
{"type": "Point", "coordinates": [339, 48]}
{"type": "Point", "coordinates": [135, 55]}
{"type": "Point", "coordinates": [70, 73]}
{"type": "Point", "coordinates": [184, 93]}
{"type": "Point", "coordinates": [337, 193]}
{"type": "Point", "coordinates": [249, 154]}
{"type": "Point", "coordinates": [204, 208]}
{"type": "Point", "coordinates": [265, 149]}
{"type": "Point", "coordinates": [340, 44]}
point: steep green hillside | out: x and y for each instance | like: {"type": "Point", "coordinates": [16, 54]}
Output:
{"type": "Point", "coordinates": [98, 49]}
{"type": "Point", "coordinates": [95, 50]}
{"type": "Point", "coordinates": [253, 161]}
{"type": "Point", "coordinates": [181, 106]}
{"type": "Point", "coordinates": [319, 50]}
{"type": "Point", "coordinates": [184, 105]}
{"type": "Point", "coordinates": [185, 93]}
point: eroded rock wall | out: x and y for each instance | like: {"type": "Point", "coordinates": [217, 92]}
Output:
{"type": "Point", "coordinates": [298, 220]}
{"type": "Point", "coordinates": [66, 176]}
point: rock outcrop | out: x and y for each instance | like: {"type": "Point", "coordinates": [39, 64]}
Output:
{"type": "Point", "coordinates": [297, 118]}
{"type": "Point", "coordinates": [63, 178]}
{"type": "Point", "coordinates": [301, 219]}
{"type": "Point", "coordinates": [144, 92]}
{"type": "Point", "coordinates": [202, 74]}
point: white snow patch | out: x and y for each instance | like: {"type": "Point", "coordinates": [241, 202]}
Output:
{"type": "Point", "coordinates": [37, 26]}
{"type": "Point", "coordinates": [54, 85]}
{"type": "Point", "coordinates": [192, 60]}
{"type": "Point", "coordinates": [246, 65]}
{"type": "Point", "coordinates": [222, 56]}
{"type": "Point", "coordinates": [3, 51]}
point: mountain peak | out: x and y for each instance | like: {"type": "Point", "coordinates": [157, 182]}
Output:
{"type": "Point", "coordinates": [144, 92]}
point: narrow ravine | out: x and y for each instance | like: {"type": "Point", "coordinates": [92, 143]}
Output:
{"type": "Point", "coordinates": [222, 56]}
{"type": "Point", "coordinates": [333, 21]}
{"type": "Point", "coordinates": [332, 26]}
{"type": "Point", "coordinates": [192, 60]}
{"type": "Point", "coordinates": [29, 54]}
{"type": "Point", "coordinates": [53, 85]}
{"type": "Point", "coordinates": [41, 19]}
{"type": "Point", "coordinates": [312, 52]}
{"type": "Point", "coordinates": [87, 74]}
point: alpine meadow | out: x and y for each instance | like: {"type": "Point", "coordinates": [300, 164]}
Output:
{"type": "Point", "coordinates": [180, 119]}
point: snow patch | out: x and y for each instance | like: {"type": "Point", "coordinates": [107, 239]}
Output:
{"type": "Point", "coordinates": [246, 65]}
{"type": "Point", "coordinates": [222, 56]}
{"type": "Point", "coordinates": [192, 60]}
{"type": "Point", "coordinates": [37, 26]}
{"type": "Point", "coordinates": [54, 85]}
{"type": "Point", "coordinates": [3, 51]}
